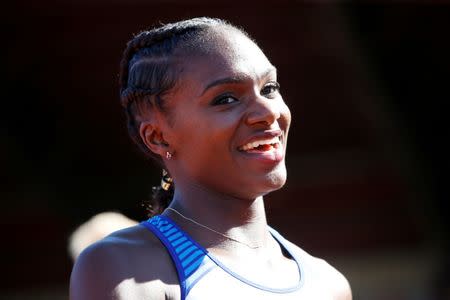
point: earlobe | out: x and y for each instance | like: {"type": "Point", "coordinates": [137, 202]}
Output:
{"type": "Point", "coordinates": [152, 137]}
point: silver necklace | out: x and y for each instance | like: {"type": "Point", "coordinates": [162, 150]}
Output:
{"type": "Point", "coordinates": [210, 229]}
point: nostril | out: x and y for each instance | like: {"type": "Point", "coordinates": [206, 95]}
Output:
{"type": "Point", "coordinates": [264, 116]}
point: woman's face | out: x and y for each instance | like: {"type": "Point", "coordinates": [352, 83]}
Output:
{"type": "Point", "coordinates": [228, 122]}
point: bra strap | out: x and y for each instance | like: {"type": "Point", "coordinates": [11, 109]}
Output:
{"type": "Point", "coordinates": [186, 254]}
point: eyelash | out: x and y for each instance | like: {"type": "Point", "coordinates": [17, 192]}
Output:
{"type": "Point", "coordinates": [221, 100]}
{"type": "Point", "coordinates": [275, 86]}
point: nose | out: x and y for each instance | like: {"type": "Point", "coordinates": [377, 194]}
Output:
{"type": "Point", "coordinates": [263, 111]}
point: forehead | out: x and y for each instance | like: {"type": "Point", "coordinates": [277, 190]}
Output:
{"type": "Point", "coordinates": [227, 53]}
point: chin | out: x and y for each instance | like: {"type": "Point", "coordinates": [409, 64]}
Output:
{"type": "Point", "coordinates": [275, 180]}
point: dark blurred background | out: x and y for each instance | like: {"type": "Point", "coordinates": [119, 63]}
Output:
{"type": "Point", "coordinates": [367, 158]}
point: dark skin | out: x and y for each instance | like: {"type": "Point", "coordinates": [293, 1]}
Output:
{"type": "Point", "coordinates": [223, 100]}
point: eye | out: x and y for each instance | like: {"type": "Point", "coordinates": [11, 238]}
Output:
{"type": "Point", "coordinates": [270, 88]}
{"type": "Point", "coordinates": [224, 99]}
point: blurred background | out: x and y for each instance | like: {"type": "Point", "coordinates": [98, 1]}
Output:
{"type": "Point", "coordinates": [366, 83]}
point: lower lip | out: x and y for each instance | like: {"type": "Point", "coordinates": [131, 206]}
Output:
{"type": "Point", "coordinates": [272, 156]}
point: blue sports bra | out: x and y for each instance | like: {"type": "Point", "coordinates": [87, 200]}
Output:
{"type": "Point", "coordinates": [193, 262]}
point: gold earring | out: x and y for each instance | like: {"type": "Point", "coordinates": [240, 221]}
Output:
{"type": "Point", "coordinates": [166, 180]}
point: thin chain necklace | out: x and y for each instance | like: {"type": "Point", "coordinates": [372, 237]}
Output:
{"type": "Point", "coordinates": [215, 231]}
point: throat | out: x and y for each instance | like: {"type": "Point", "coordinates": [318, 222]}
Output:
{"type": "Point", "coordinates": [220, 223]}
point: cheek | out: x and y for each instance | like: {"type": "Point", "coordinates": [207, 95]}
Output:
{"type": "Point", "coordinates": [286, 116]}
{"type": "Point", "coordinates": [206, 135]}
{"type": "Point", "coordinates": [206, 154]}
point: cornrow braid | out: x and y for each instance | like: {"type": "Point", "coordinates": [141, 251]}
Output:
{"type": "Point", "coordinates": [149, 70]}
{"type": "Point", "coordinates": [166, 36]}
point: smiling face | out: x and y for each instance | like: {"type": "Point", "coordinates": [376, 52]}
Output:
{"type": "Point", "coordinates": [228, 122]}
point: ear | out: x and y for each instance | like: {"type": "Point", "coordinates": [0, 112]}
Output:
{"type": "Point", "coordinates": [153, 138]}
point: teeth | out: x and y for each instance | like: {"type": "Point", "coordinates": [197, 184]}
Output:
{"type": "Point", "coordinates": [255, 144]}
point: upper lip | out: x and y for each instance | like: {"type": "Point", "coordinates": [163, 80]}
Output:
{"type": "Point", "coordinates": [263, 135]}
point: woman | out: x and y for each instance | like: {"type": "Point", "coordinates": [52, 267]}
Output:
{"type": "Point", "coordinates": [203, 99]}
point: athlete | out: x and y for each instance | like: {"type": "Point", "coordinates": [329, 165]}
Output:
{"type": "Point", "coordinates": [203, 100]}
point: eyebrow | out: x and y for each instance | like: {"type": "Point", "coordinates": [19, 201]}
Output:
{"type": "Point", "coordinates": [239, 78]}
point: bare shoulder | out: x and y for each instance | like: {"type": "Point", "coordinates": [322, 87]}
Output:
{"type": "Point", "coordinates": [337, 284]}
{"type": "Point", "coordinates": [128, 264]}
{"type": "Point", "coordinates": [330, 278]}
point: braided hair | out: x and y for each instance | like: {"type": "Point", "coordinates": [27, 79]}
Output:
{"type": "Point", "coordinates": [148, 71]}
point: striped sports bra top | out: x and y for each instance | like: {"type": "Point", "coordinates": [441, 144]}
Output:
{"type": "Point", "coordinates": [193, 264]}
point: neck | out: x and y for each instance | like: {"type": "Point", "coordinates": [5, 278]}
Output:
{"type": "Point", "coordinates": [241, 219]}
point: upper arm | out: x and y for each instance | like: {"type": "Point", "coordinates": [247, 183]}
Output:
{"type": "Point", "coordinates": [92, 275]}
{"type": "Point", "coordinates": [342, 288]}
{"type": "Point", "coordinates": [118, 268]}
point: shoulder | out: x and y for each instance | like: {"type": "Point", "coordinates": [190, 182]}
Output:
{"type": "Point", "coordinates": [118, 264]}
{"type": "Point", "coordinates": [328, 276]}
{"type": "Point", "coordinates": [337, 284]}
